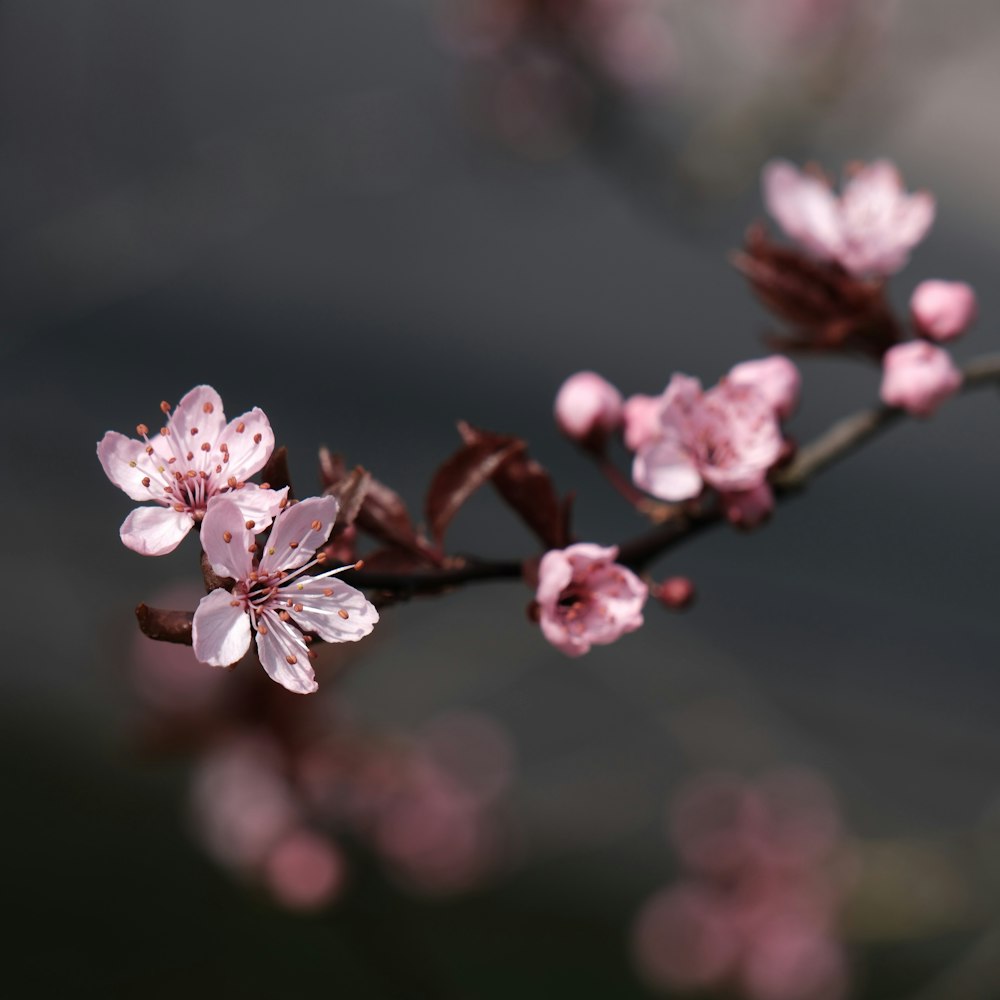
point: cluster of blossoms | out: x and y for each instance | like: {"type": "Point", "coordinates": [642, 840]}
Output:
{"type": "Point", "coordinates": [861, 237]}
{"type": "Point", "coordinates": [766, 872]}
{"type": "Point", "coordinates": [196, 471]}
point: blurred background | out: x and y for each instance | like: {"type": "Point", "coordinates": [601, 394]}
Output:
{"type": "Point", "coordinates": [372, 220]}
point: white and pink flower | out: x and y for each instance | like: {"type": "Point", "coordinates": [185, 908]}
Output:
{"type": "Point", "coordinates": [869, 230]}
{"type": "Point", "coordinates": [273, 596]}
{"type": "Point", "coordinates": [726, 438]}
{"type": "Point", "coordinates": [918, 377]}
{"type": "Point", "coordinates": [943, 310]}
{"type": "Point", "coordinates": [196, 456]}
{"type": "Point", "coordinates": [588, 407]}
{"type": "Point", "coordinates": [587, 599]}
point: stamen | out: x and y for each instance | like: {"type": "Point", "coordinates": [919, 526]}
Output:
{"type": "Point", "coordinates": [132, 464]}
{"type": "Point", "coordinates": [293, 545]}
{"type": "Point", "coordinates": [223, 447]}
{"type": "Point", "coordinates": [190, 456]}
{"type": "Point", "coordinates": [250, 524]}
{"type": "Point", "coordinates": [164, 431]}
{"type": "Point", "coordinates": [205, 446]}
{"type": "Point", "coordinates": [165, 406]}
{"type": "Point", "coordinates": [328, 592]}
{"type": "Point", "coordinates": [194, 431]}
{"type": "Point", "coordinates": [291, 660]}
{"type": "Point", "coordinates": [252, 548]}
{"type": "Point", "coordinates": [207, 408]}
{"type": "Point", "coordinates": [321, 557]}
{"type": "Point", "coordinates": [234, 604]}
{"type": "Point", "coordinates": [149, 449]}
{"type": "Point", "coordinates": [289, 602]}
{"type": "Point", "coordinates": [270, 550]}
{"type": "Point", "coordinates": [283, 503]}
{"type": "Point", "coordinates": [241, 427]}
{"type": "Point", "coordinates": [231, 482]}
{"type": "Point", "coordinates": [265, 486]}
{"type": "Point", "coordinates": [316, 525]}
{"type": "Point", "coordinates": [227, 537]}
{"type": "Point", "coordinates": [284, 616]}
{"type": "Point", "coordinates": [145, 481]}
{"type": "Point", "coordinates": [262, 630]}
{"type": "Point", "coordinates": [297, 607]}
{"type": "Point", "coordinates": [141, 429]}
{"type": "Point", "coordinates": [343, 614]}
{"type": "Point", "coordinates": [256, 438]}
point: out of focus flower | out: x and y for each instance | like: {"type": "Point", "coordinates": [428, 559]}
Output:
{"type": "Point", "coordinates": [588, 408]}
{"type": "Point", "coordinates": [776, 378]}
{"type": "Point", "coordinates": [943, 310]}
{"type": "Point", "coordinates": [918, 377]}
{"type": "Point", "coordinates": [641, 415]}
{"type": "Point", "coordinates": [195, 457]}
{"type": "Point", "coordinates": [755, 914]}
{"type": "Point", "coordinates": [305, 871]}
{"type": "Point", "coordinates": [272, 596]}
{"type": "Point", "coordinates": [585, 598]}
{"type": "Point", "coordinates": [727, 438]}
{"type": "Point", "coordinates": [869, 230]}
{"type": "Point", "coordinates": [748, 508]}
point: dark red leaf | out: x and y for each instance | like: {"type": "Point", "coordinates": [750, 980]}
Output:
{"type": "Point", "coordinates": [167, 626]}
{"type": "Point", "coordinates": [350, 493]}
{"type": "Point", "coordinates": [459, 476]}
{"type": "Point", "coordinates": [275, 471]}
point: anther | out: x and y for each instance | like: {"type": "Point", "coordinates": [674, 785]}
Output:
{"type": "Point", "coordinates": [293, 545]}
{"type": "Point", "coordinates": [234, 604]}
{"type": "Point", "coordinates": [149, 449]}
{"type": "Point", "coordinates": [241, 427]}
{"type": "Point", "coordinates": [205, 446]}
{"type": "Point", "coordinates": [223, 447]}
{"type": "Point", "coordinates": [252, 548]}
{"type": "Point", "coordinates": [270, 550]}
{"type": "Point", "coordinates": [312, 654]}
{"type": "Point", "coordinates": [190, 456]}
{"type": "Point", "coordinates": [231, 482]}
{"type": "Point", "coordinates": [132, 464]}
{"type": "Point", "coordinates": [360, 564]}
{"type": "Point", "coordinates": [283, 503]}
{"type": "Point", "coordinates": [179, 508]}
{"type": "Point", "coordinates": [265, 486]}
{"type": "Point", "coordinates": [227, 536]}
{"type": "Point", "coordinates": [145, 481]}
{"type": "Point", "coordinates": [191, 474]}
{"type": "Point", "coordinates": [164, 431]}
{"type": "Point", "coordinates": [328, 592]}
{"type": "Point", "coordinates": [165, 406]}
{"type": "Point", "coordinates": [262, 630]}
{"type": "Point", "coordinates": [249, 525]}
{"type": "Point", "coordinates": [316, 525]}
{"type": "Point", "coordinates": [141, 429]}
{"type": "Point", "coordinates": [343, 614]}
{"type": "Point", "coordinates": [297, 607]}
{"type": "Point", "coordinates": [256, 438]}
{"type": "Point", "coordinates": [289, 602]}
{"type": "Point", "coordinates": [207, 408]}
{"type": "Point", "coordinates": [194, 431]}
{"type": "Point", "coordinates": [321, 557]}
{"type": "Point", "coordinates": [291, 660]}
{"type": "Point", "coordinates": [284, 616]}
{"type": "Point", "coordinates": [218, 468]}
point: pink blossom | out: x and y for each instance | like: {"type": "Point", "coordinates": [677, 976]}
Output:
{"type": "Point", "coordinates": [588, 407]}
{"type": "Point", "coordinates": [642, 420]}
{"type": "Point", "coordinates": [585, 598]}
{"type": "Point", "coordinates": [869, 230]}
{"type": "Point", "coordinates": [727, 438]}
{"type": "Point", "coordinates": [943, 310]}
{"type": "Point", "coordinates": [775, 378]}
{"type": "Point", "coordinates": [272, 595]}
{"type": "Point", "coordinates": [918, 377]}
{"type": "Point", "coordinates": [305, 871]}
{"type": "Point", "coordinates": [195, 457]}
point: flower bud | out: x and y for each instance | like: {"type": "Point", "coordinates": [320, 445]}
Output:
{"type": "Point", "coordinates": [748, 509]}
{"type": "Point", "coordinates": [676, 592]}
{"type": "Point", "coordinates": [588, 408]}
{"type": "Point", "coordinates": [918, 377]}
{"type": "Point", "coordinates": [942, 310]}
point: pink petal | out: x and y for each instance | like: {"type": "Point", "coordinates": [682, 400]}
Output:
{"type": "Point", "coordinates": [666, 471]}
{"type": "Point", "coordinates": [803, 206]}
{"type": "Point", "coordinates": [293, 540]}
{"type": "Point", "coordinates": [916, 218]}
{"type": "Point", "coordinates": [155, 531]}
{"type": "Point", "coordinates": [775, 378]}
{"type": "Point", "coordinates": [249, 447]}
{"type": "Point", "coordinates": [228, 558]}
{"type": "Point", "coordinates": [257, 505]}
{"type": "Point", "coordinates": [122, 458]}
{"type": "Point", "coordinates": [555, 573]}
{"type": "Point", "coordinates": [221, 629]}
{"type": "Point", "coordinates": [559, 636]}
{"type": "Point", "coordinates": [321, 602]}
{"type": "Point", "coordinates": [201, 411]}
{"type": "Point", "coordinates": [277, 646]}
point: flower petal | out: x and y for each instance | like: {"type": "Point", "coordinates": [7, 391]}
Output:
{"type": "Point", "coordinates": [257, 505]}
{"type": "Point", "coordinates": [804, 207]}
{"type": "Point", "coordinates": [221, 629]}
{"type": "Point", "coordinates": [223, 520]}
{"type": "Point", "coordinates": [284, 655]}
{"type": "Point", "coordinates": [250, 441]}
{"type": "Point", "coordinates": [666, 471]}
{"type": "Point", "coordinates": [198, 417]}
{"type": "Point", "coordinates": [322, 601]}
{"type": "Point", "coordinates": [122, 458]}
{"type": "Point", "coordinates": [294, 539]}
{"type": "Point", "coordinates": [555, 573]}
{"type": "Point", "coordinates": [155, 531]}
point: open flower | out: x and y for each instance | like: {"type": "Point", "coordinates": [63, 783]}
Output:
{"type": "Point", "coordinates": [585, 598]}
{"type": "Point", "coordinates": [195, 457]}
{"type": "Point", "coordinates": [273, 596]}
{"type": "Point", "coordinates": [727, 438]}
{"type": "Point", "coordinates": [869, 230]}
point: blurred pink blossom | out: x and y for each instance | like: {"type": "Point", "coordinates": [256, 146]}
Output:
{"type": "Point", "coordinates": [196, 456]}
{"type": "Point", "coordinates": [943, 310]}
{"type": "Point", "coordinates": [748, 508]}
{"type": "Point", "coordinates": [585, 598]}
{"type": "Point", "coordinates": [776, 378]}
{"type": "Point", "coordinates": [918, 377]}
{"type": "Point", "coordinates": [869, 230]}
{"type": "Point", "coordinates": [588, 408]}
{"type": "Point", "coordinates": [272, 596]}
{"type": "Point", "coordinates": [642, 420]}
{"type": "Point", "coordinates": [727, 438]}
{"type": "Point", "coordinates": [305, 871]}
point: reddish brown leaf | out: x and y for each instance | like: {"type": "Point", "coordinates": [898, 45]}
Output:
{"type": "Point", "coordinates": [350, 492]}
{"type": "Point", "coordinates": [462, 474]}
{"type": "Point", "coordinates": [167, 626]}
{"type": "Point", "coordinates": [275, 471]}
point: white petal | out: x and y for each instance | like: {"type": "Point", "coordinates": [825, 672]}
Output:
{"type": "Point", "coordinates": [293, 540]}
{"type": "Point", "coordinates": [155, 531]}
{"type": "Point", "coordinates": [121, 458]}
{"type": "Point", "coordinates": [250, 441]}
{"type": "Point", "coordinates": [322, 601]}
{"type": "Point", "coordinates": [223, 520]}
{"type": "Point", "coordinates": [279, 644]}
{"type": "Point", "coordinates": [221, 630]}
{"type": "Point", "coordinates": [667, 472]}
{"type": "Point", "coordinates": [257, 505]}
{"type": "Point", "coordinates": [201, 411]}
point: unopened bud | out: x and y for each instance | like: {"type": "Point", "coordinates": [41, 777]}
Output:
{"type": "Point", "coordinates": [942, 310]}
{"type": "Point", "coordinates": [918, 377]}
{"type": "Point", "coordinates": [588, 408]}
{"type": "Point", "coordinates": [775, 378]}
{"type": "Point", "coordinates": [676, 592]}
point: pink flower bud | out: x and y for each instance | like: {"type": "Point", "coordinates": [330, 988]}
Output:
{"type": "Point", "coordinates": [676, 592]}
{"type": "Point", "coordinates": [588, 407]}
{"type": "Point", "coordinates": [918, 377]}
{"type": "Point", "coordinates": [748, 508]}
{"type": "Point", "coordinates": [775, 378]}
{"type": "Point", "coordinates": [942, 310]}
